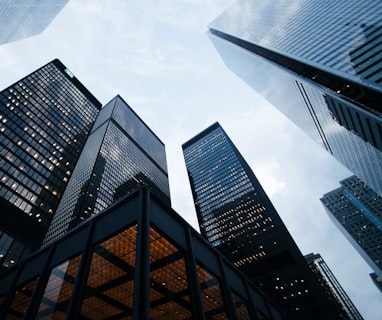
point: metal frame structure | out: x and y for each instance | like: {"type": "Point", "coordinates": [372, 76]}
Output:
{"type": "Point", "coordinates": [138, 259]}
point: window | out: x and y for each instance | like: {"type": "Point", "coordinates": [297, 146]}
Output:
{"type": "Point", "coordinates": [110, 283]}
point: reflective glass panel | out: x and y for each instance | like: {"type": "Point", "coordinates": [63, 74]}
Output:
{"type": "Point", "coordinates": [110, 284]}
{"type": "Point", "coordinates": [21, 300]}
{"type": "Point", "coordinates": [240, 307]}
{"type": "Point", "coordinates": [58, 291]}
{"type": "Point", "coordinates": [211, 295]}
{"type": "Point", "coordinates": [169, 295]}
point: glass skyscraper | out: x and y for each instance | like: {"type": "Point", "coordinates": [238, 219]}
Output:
{"type": "Point", "coordinates": [357, 212]}
{"type": "Point", "coordinates": [137, 260]}
{"type": "Point", "coordinates": [319, 63]}
{"type": "Point", "coordinates": [332, 287]}
{"type": "Point", "coordinates": [22, 19]}
{"type": "Point", "coordinates": [236, 216]}
{"type": "Point", "coordinates": [121, 154]}
{"type": "Point", "coordinates": [45, 119]}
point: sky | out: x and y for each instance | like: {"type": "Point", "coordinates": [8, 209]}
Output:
{"type": "Point", "coordinates": [158, 57]}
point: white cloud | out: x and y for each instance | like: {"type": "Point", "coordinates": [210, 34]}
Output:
{"type": "Point", "coordinates": [159, 58]}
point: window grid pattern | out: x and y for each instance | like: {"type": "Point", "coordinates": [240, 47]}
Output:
{"type": "Point", "coordinates": [211, 294]}
{"type": "Point", "coordinates": [58, 290]}
{"type": "Point", "coordinates": [21, 299]}
{"type": "Point", "coordinates": [44, 122]}
{"type": "Point", "coordinates": [22, 20]}
{"type": "Point", "coordinates": [245, 226]}
{"type": "Point", "coordinates": [111, 165]}
{"type": "Point", "coordinates": [333, 287]}
{"type": "Point", "coordinates": [110, 283]}
{"type": "Point", "coordinates": [311, 108]}
{"type": "Point", "coordinates": [240, 307]}
{"type": "Point", "coordinates": [342, 38]}
{"type": "Point", "coordinates": [169, 294]}
{"type": "Point", "coordinates": [356, 209]}
{"type": "Point", "coordinates": [104, 287]}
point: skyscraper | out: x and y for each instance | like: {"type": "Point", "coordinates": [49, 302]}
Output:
{"type": "Point", "coordinates": [236, 216]}
{"type": "Point", "coordinates": [45, 119]}
{"type": "Point", "coordinates": [121, 154]}
{"type": "Point", "coordinates": [357, 212]}
{"type": "Point", "coordinates": [22, 19]}
{"type": "Point", "coordinates": [332, 287]}
{"type": "Point", "coordinates": [319, 63]}
{"type": "Point", "coordinates": [137, 260]}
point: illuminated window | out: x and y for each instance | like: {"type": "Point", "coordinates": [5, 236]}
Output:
{"type": "Point", "coordinates": [169, 295]}
{"type": "Point", "coordinates": [21, 299]}
{"type": "Point", "coordinates": [59, 290]}
{"type": "Point", "coordinates": [240, 307]}
{"type": "Point", "coordinates": [211, 295]}
{"type": "Point", "coordinates": [110, 283]}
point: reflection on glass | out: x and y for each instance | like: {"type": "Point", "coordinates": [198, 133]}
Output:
{"type": "Point", "coordinates": [211, 295]}
{"type": "Point", "coordinates": [169, 295]}
{"type": "Point", "coordinates": [58, 291]}
{"type": "Point", "coordinates": [21, 300]}
{"type": "Point", "coordinates": [110, 284]}
{"type": "Point", "coordinates": [240, 307]}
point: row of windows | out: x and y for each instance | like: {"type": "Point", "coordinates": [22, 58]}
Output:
{"type": "Point", "coordinates": [118, 160]}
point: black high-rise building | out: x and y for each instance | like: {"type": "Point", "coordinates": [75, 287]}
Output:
{"type": "Point", "coordinates": [45, 119]}
{"type": "Point", "coordinates": [138, 259]}
{"type": "Point", "coordinates": [121, 154]}
{"type": "Point", "coordinates": [320, 64]}
{"type": "Point", "coordinates": [332, 287]}
{"type": "Point", "coordinates": [237, 217]}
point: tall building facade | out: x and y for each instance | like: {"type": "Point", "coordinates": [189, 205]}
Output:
{"type": "Point", "coordinates": [332, 287]}
{"type": "Point", "coordinates": [45, 119]}
{"type": "Point", "coordinates": [357, 212]}
{"type": "Point", "coordinates": [319, 63]}
{"type": "Point", "coordinates": [121, 154]}
{"type": "Point", "coordinates": [236, 217]}
{"type": "Point", "coordinates": [23, 19]}
{"type": "Point", "coordinates": [136, 260]}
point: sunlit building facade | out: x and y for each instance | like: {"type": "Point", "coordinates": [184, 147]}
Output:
{"type": "Point", "coordinates": [138, 259]}
{"type": "Point", "coordinates": [121, 154]}
{"type": "Point", "coordinates": [357, 212]}
{"type": "Point", "coordinates": [236, 217]}
{"type": "Point", "coordinates": [319, 63]}
{"type": "Point", "coordinates": [23, 19]}
{"type": "Point", "coordinates": [332, 287]}
{"type": "Point", "coordinates": [45, 119]}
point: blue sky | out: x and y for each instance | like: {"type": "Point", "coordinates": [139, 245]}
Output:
{"type": "Point", "coordinates": [157, 56]}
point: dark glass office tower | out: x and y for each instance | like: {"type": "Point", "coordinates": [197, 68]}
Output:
{"type": "Point", "coordinates": [357, 212]}
{"type": "Point", "coordinates": [332, 287]}
{"type": "Point", "coordinates": [135, 260]}
{"type": "Point", "coordinates": [22, 19]}
{"type": "Point", "coordinates": [121, 154]}
{"type": "Point", "coordinates": [319, 63]}
{"type": "Point", "coordinates": [236, 216]}
{"type": "Point", "coordinates": [45, 119]}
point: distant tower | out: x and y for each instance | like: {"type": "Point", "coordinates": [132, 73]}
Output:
{"type": "Point", "coordinates": [357, 212]}
{"type": "Point", "coordinates": [45, 119]}
{"type": "Point", "coordinates": [23, 19]}
{"type": "Point", "coordinates": [121, 154]}
{"type": "Point", "coordinates": [320, 64]}
{"type": "Point", "coordinates": [332, 287]}
{"type": "Point", "coordinates": [236, 216]}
